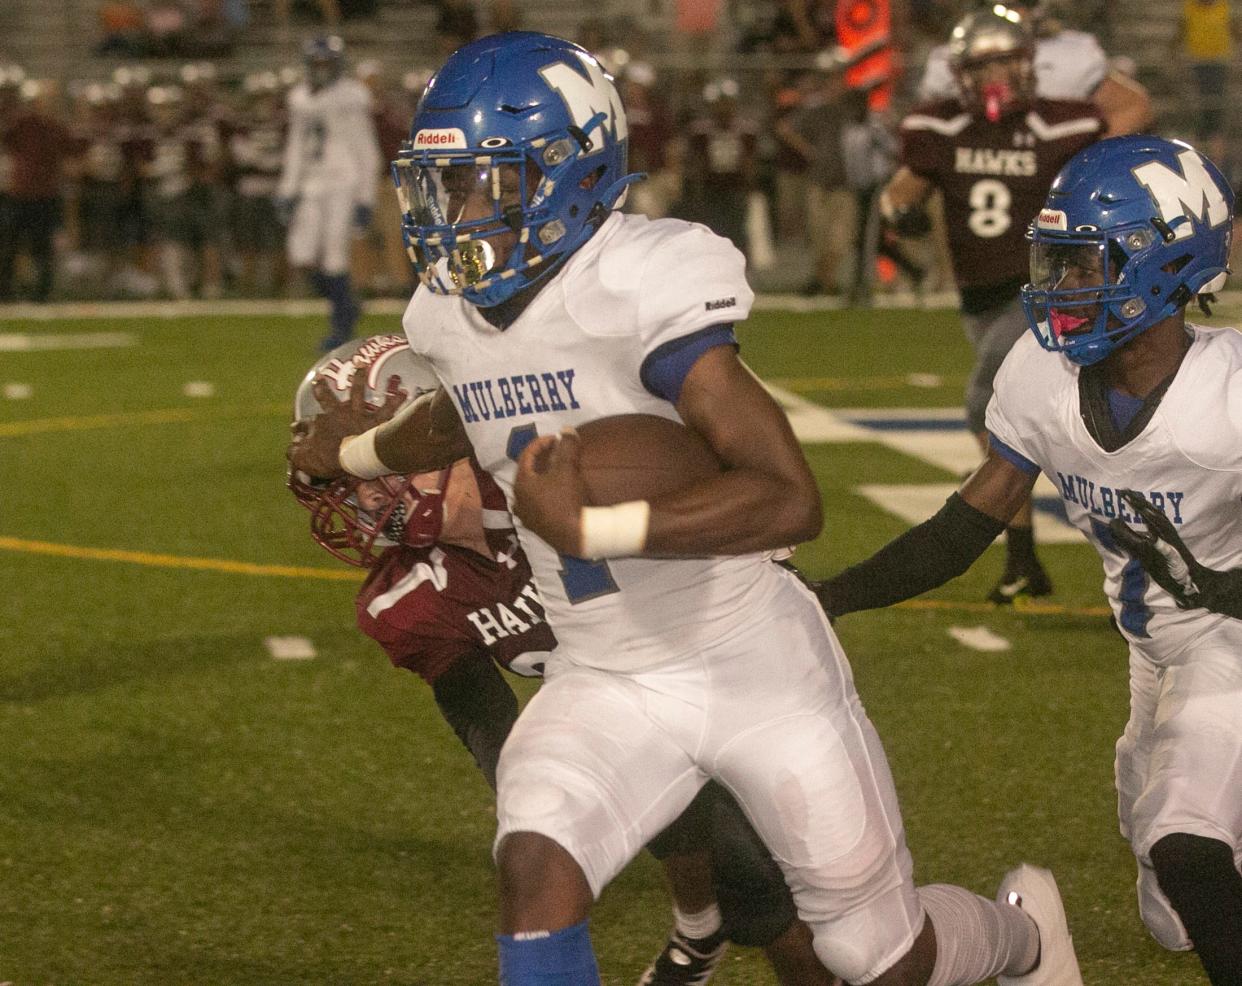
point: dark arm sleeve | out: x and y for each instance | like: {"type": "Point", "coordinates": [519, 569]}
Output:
{"type": "Point", "coordinates": [926, 556]}
{"type": "Point", "coordinates": [478, 703]}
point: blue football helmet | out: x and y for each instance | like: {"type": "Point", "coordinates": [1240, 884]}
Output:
{"type": "Point", "coordinates": [516, 154]}
{"type": "Point", "coordinates": [325, 60]}
{"type": "Point", "coordinates": [1133, 229]}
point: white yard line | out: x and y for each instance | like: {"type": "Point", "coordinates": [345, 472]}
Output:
{"type": "Point", "coordinates": [980, 639]}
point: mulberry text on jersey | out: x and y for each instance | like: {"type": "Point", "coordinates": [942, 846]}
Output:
{"type": "Point", "coordinates": [1104, 501]}
{"type": "Point", "coordinates": [513, 396]}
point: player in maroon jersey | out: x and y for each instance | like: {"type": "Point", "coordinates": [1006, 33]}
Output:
{"type": "Point", "coordinates": [992, 154]}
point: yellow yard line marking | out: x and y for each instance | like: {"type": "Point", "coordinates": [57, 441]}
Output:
{"type": "Point", "coordinates": [171, 415]}
{"type": "Point", "coordinates": [1021, 606]}
{"type": "Point", "coordinates": [860, 383]}
{"type": "Point", "coordinates": [154, 560]}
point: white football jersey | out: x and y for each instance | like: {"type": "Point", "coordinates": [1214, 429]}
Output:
{"type": "Point", "coordinates": [331, 147]}
{"type": "Point", "coordinates": [1068, 65]}
{"type": "Point", "coordinates": [577, 354]}
{"type": "Point", "coordinates": [1187, 461]}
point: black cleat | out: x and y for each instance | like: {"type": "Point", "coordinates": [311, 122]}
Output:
{"type": "Point", "coordinates": [1031, 582]}
{"type": "Point", "coordinates": [685, 961]}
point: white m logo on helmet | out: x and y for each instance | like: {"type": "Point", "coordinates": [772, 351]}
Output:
{"type": "Point", "coordinates": [584, 97]}
{"type": "Point", "coordinates": [1192, 194]}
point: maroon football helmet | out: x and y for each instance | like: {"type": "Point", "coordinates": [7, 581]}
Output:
{"type": "Point", "coordinates": [353, 519]}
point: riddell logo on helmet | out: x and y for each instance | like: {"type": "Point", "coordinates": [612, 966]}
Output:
{"type": "Point", "coordinates": [446, 137]}
{"type": "Point", "coordinates": [1051, 219]}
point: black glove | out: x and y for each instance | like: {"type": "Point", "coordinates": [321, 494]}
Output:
{"type": "Point", "coordinates": [911, 221]}
{"type": "Point", "coordinates": [1165, 557]}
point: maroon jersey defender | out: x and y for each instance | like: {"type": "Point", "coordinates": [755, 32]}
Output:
{"type": "Point", "coordinates": [993, 153]}
{"type": "Point", "coordinates": [994, 178]}
{"type": "Point", "coordinates": [430, 607]}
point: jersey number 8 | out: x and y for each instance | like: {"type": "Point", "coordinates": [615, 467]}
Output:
{"type": "Point", "coordinates": [989, 208]}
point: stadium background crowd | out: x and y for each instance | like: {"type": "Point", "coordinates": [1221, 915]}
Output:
{"type": "Point", "coordinates": [146, 167]}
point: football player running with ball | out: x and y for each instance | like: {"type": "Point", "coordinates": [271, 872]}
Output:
{"type": "Point", "coordinates": [684, 653]}
{"type": "Point", "coordinates": [992, 153]}
{"type": "Point", "coordinates": [1134, 416]}
{"type": "Point", "coordinates": [449, 596]}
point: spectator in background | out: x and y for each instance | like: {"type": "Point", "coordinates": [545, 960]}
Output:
{"type": "Point", "coordinates": [1207, 34]}
{"type": "Point", "coordinates": [651, 141]}
{"type": "Point", "coordinates": [254, 153]}
{"type": "Point", "coordinates": [720, 165]}
{"type": "Point", "coordinates": [869, 156]}
{"type": "Point", "coordinates": [789, 163]}
{"type": "Point", "coordinates": [813, 131]}
{"type": "Point", "coordinates": [457, 22]}
{"type": "Point", "coordinates": [39, 145]}
{"type": "Point", "coordinates": [804, 26]}
{"type": "Point", "coordinates": [122, 29]}
{"type": "Point", "coordinates": [379, 258]}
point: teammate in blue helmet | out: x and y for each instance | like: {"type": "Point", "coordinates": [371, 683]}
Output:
{"type": "Point", "coordinates": [1134, 228]}
{"type": "Point", "coordinates": [1133, 414]}
{"type": "Point", "coordinates": [526, 134]}
{"type": "Point", "coordinates": [325, 60]}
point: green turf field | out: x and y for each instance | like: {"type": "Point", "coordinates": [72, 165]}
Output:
{"type": "Point", "coordinates": [177, 807]}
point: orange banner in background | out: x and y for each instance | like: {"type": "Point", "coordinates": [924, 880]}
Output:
{"type": "Point", "coordinates": [864, 32]}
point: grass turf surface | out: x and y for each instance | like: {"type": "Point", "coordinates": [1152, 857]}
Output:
{"type": "Point", "coordinates": [178, 807]}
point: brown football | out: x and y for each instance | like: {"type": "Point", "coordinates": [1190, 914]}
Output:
{"type": "Point", "coordinates": [641, 456]}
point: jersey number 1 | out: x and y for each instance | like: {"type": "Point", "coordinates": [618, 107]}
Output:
{"type": "Point", "coordinates": [582, 579]}
{"type": "Point", "coordinates": [1134, 581]}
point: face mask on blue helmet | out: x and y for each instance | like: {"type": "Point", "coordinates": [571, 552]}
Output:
{"type": "Point", "coordinates": [516, 155]}
{"type": "Point", "coordinates": [1133, 229]}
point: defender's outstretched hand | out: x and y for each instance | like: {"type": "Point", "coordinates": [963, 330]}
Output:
{"type": "Point", "coordinates": [1165, 557]}
{"type": "Point", "coordinates": [315, 451]}
{"type": "Point", "coordinates": [549, 492]}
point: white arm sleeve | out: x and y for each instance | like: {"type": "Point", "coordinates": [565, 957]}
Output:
{"type": "Point", "coordinates": [291, 169]}
{"type": "Point", "coordinates": [1069, 65]}
{"type": "Point", "coordinates": [937, 82]}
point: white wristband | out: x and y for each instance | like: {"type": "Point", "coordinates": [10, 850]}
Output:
{"type": "Point", "coordinates": [612, 532]}
{"type": "Point", "coordinates": [358, 456]}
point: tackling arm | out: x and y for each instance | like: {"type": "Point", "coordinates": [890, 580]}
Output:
{"type": "Point", "coordinates": [937, 550]}
{"type": "Point", "coordinates": [479, 705]}
{"type": "Point", "coordinates": [423, 436]}
{"type": "Point", "coordinates": [1124, 104]}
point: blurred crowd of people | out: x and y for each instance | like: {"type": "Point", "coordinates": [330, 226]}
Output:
{"type": "Point", "coordinates": [162, 185]}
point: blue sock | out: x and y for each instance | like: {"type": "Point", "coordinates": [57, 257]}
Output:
{"type": "Point", "coordinates": [557, 958]}
{"type": "Point", "coordinates": [344, 310]}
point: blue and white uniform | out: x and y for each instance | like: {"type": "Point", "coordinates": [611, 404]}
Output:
{"type": "Point", "coordinates": [331, 158]}
{"type": "Point", "coordinates": [1179, 762]}
{"type": "Point", "coordinates": [671, 671]}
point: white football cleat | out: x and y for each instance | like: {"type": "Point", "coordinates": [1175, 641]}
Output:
{"type": "Point", "coordinates": [1034, 889]}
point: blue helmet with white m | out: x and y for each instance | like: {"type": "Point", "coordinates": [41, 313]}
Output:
{"type": "Point", "coordinates": [1133, 229]}
{"type": "Point", "coordinates": [516, 155]}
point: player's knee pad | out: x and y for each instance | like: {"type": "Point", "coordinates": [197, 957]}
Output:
{"type": "Point", "coordinates": [1200, 879]}
{"type": "Point", "coordinates": [1157, 913]}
